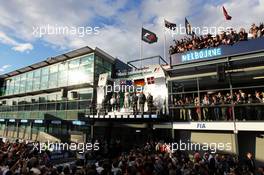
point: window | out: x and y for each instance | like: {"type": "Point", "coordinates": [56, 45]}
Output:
{"type": "Point", "coordinates": [74, 64]}
{"type": "Point", "coordinates": [36, 83]}
{"type": "Point", "coordinates": [45, 71]}
{"type": "Point", "coordinates": [63, 78]}
{"type": "Point", "coordinates": [53, 69]}
{"type": "Point", "coordinates": [11, 87]}
{"type": "Point", "coordinates": [8, 82]}
{"type": "Point", "coordinates": [53, 80]}
{"type": "Point", "coordinates": [99, 61]}
{"type": "Point", "coordinates": [63, 66]}
{"type": "Point", "coordinates": [29, 81]}
{"type": "Point", "coordinates": [44, 82]}
{"type": "Point", "coordinates": [37, 73]}
{"type": "Point", "coordinates": [17, 84]}
{"type": "Point", "coordinates": [87, 60]}
{"type": "Point", "coordinates": [36, 80]}
{"type": "Point", "coordinates": [23, 83]}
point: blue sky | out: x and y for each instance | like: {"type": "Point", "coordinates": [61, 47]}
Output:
{"type": "Point", "coordinates": [119, 23]}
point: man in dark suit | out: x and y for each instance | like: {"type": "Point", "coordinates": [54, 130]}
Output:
{"type": "Point", "coordinates": [250, 163]}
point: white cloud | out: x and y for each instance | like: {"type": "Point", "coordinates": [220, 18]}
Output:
{"type": "Point", "coordinates": [4, 67]}
{"type": "Point", "coordinates": [20, 47]}
{"type": "Point", "coordinates": [23, 47]}
{"type": "Point", "coordinates": [120, 35]}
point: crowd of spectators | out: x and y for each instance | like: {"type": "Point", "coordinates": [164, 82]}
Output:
{"type": "Point", "coordinates": [153, 158]}
{"type": "Point", "coordinates": [224, 38]}
{"type": "Point", "coordinates": [219, 106]}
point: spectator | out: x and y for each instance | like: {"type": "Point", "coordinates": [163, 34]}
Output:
{"type": "Point", "coordinates": [205, 104]}
{"type": "Point", "coordinates": [149, 102]}
{"type": "Point", "coordinates": [135, 102]}
{"type": "Point", "coordinates": [141, 101]}
{"type": "Point", "coordinates": [113, 103]}
{"type": "Point", "coordinates": [250, 163]}
{"type": "Point", "coordinates": [229, 37]}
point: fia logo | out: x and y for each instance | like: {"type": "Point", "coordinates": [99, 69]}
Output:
{"type": "Point", "coordinates": [200, 125]}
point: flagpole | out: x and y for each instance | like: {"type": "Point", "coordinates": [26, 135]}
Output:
{"type": "Point", "coordinates": [164, 40]}
{"type": "Point", "coordinates": [141, 46]}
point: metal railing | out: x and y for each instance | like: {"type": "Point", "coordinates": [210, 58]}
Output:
{"type": "Point", "coordinates": [223, 112]}
{"type": "Point", "coordinates": [49, 106]}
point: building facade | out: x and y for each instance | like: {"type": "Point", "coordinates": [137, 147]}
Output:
{"type": "Point", "coordinates": [49, 96]}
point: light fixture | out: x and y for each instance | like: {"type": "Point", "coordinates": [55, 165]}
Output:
{"type": "Point", "coordinates": [260, 77]}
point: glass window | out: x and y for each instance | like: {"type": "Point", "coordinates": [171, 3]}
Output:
{"type": "Point", "coordinates": [29, 81]}
{"type": "Point", "coordinates": [73, 77]}
{"type": "Point", "coordinates": [53, 69]}
{"type": "Point", "coordinates": [8, 82]}
{"type": "Point", "coordinates": [74, 63]}
{"type": "Point", "coordinates": [36, 83]}
{"type": "Point", "coordinates": [53, 80]}
{"type": "Point", "coordinates": [108, 65]}
{"type": "Point", "coordinates": [11, 88]}
{"type": "Point", "coordinates": [63, 78]}
{"type": "Point", "coordinates": [44, 82]}
{"type": "Point", "coordinates": [87, 60]}
{"type": "Point", "coordinates": [37, 73]}
{"type": "Point", "coordinates": [87, 69]}
{"type": "Point", "coordinates": [99, 61]}
{"type": "Point", "coordinates": [17, 84]}
{"type": "Point", "coordinates": [63, 66]}
{"type": "Point", "coordinates": [85, 95]}
{"type": "Point", "coordinates": [23, 83]}
{"type": "Point", "coordinates": [45, 71]}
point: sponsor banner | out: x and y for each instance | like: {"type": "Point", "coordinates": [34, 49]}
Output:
{"type": "Point", "coordinates": [103, 79]}
{"type": "Point", "coordinates": [221, 126]}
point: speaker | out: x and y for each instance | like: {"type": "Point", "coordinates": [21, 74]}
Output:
{"type": "Point", "coordinates": [221, 76]}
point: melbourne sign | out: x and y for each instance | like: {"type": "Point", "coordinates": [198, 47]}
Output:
{"type": "Point", "coordinates": [202, 54]}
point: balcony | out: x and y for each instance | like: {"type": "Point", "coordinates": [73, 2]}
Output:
{"type": "Point", "coordinates": [224, 51]}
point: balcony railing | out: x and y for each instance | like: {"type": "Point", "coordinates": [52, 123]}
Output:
{"type": "Point", "coordinates": [48, 106]}
{"type": "Point", "coordinates": [225, 112]}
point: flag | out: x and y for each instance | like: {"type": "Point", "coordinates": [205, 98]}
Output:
{"type": "Point", "coordinates": [227, 17]}
{"type": "Point", "coordinates": [170, 25]}
{"type": "Point", "coordinates": [148, 36]}
{"type": "Point", "coordinates": [139, 82]}
{"type": "Point", "coordinates": [188, 27]}
{"type": "Point", "coordinates": [150, 80]}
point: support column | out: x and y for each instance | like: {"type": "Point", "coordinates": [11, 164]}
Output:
{"type": "Point", "coordinates": [30, 130]}
{"type": "Point", "coordinates": [172, 134]}
{"type": "Point", "coordinates": [233, 114]}
{"type": "Point", "coordinates": [17, 129]}
{"type": "Point", "coordinates": [6, 129]}
{"type": "Point", "coordinates": [92, 131]}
